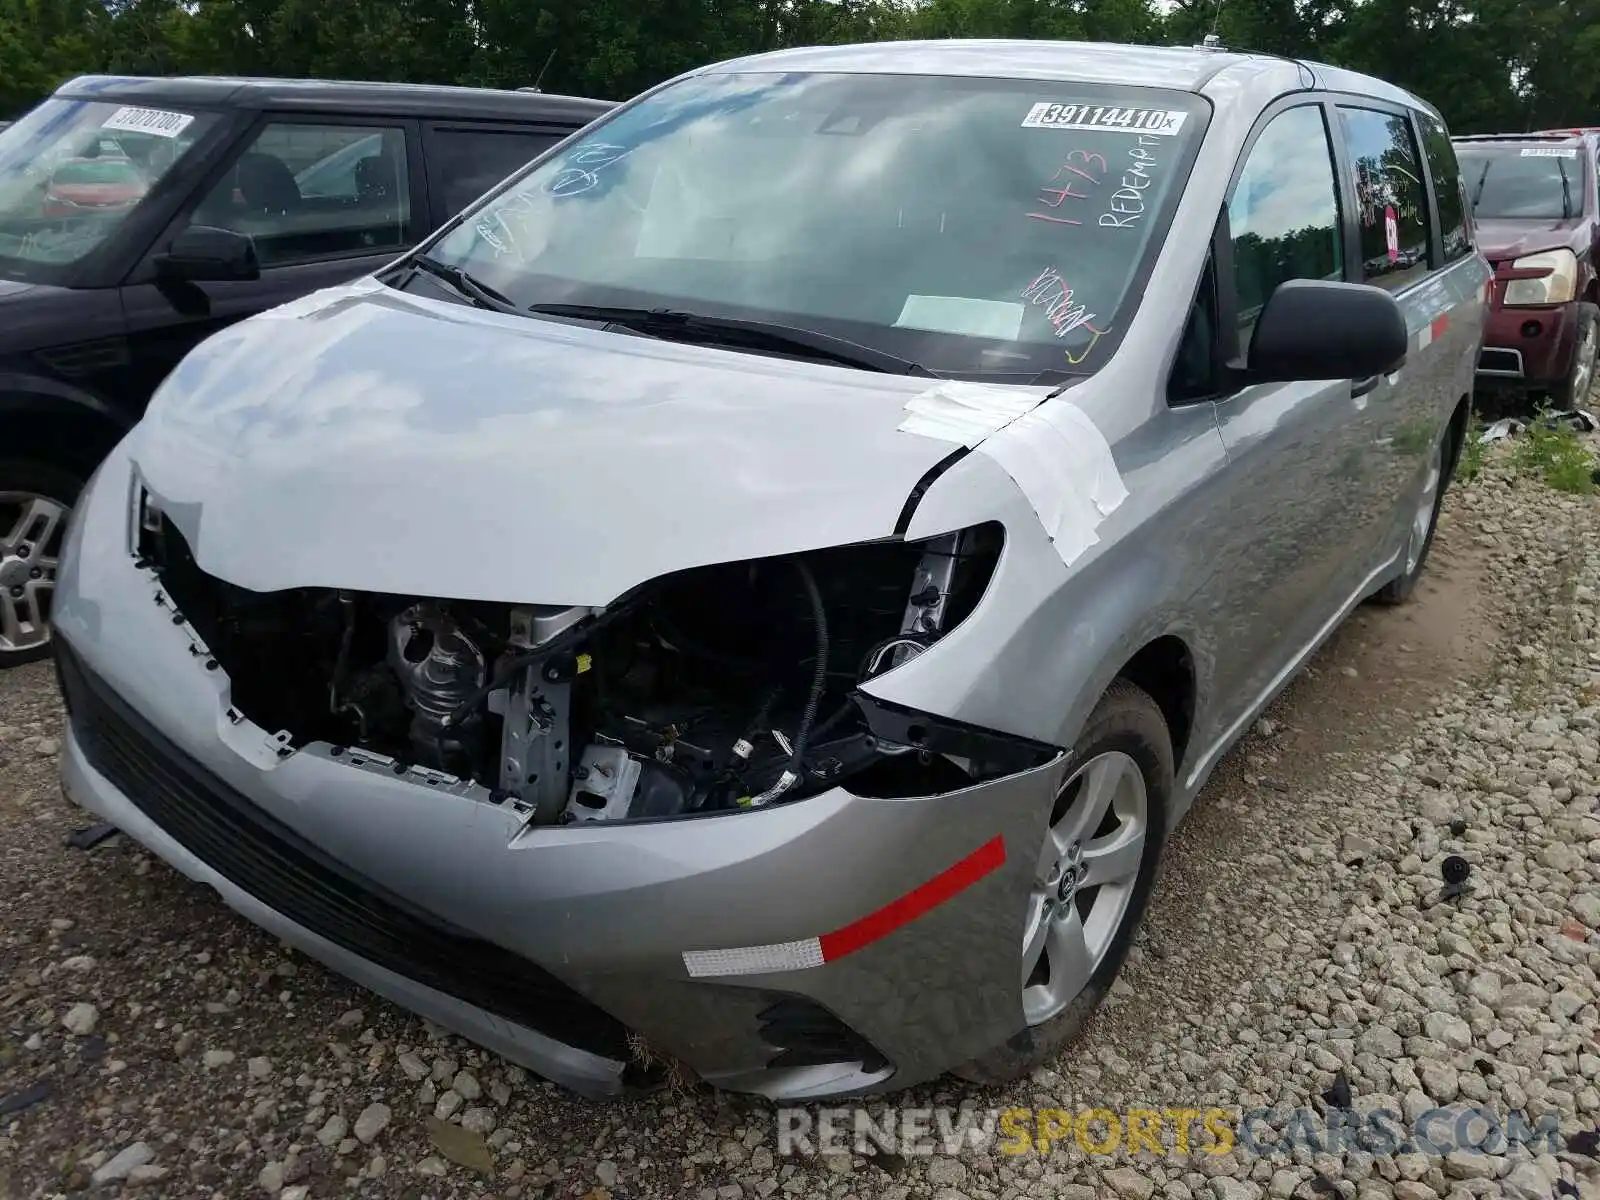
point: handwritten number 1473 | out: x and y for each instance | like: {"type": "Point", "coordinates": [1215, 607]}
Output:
{"type": "Point", "coordinates": [1080, 169]}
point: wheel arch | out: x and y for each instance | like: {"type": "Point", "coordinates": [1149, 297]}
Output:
{"type": "Point", "coordinates": [58, 424]}
{"type": "Point", "coordinates": [1164, 669]}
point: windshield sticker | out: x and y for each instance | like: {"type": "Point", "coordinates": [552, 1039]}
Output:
{"type": "Point", "coordinates": [1068, 316]}
{"type": "Point", "coordinates": [1127, 202]}
{"type": "Point", "coordinates": [148, 120]}
{"type": "Point", "coordinates": [580, 170]}
{"type": "Point", "coordinates": [1162, 122]}
{"type": "Point", "coordinates": [1549, 152]}
{"type": "Point", "coordinates": [1078, 176]}
{"type": "Point", "coordinates": [964, 316]}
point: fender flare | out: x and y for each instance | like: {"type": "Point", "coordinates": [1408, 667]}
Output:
{"type": "Point", "coordinates": [35, 393]}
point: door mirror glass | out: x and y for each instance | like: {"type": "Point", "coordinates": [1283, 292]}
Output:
{"type": "Point", "coordinates": [203, 254]}
{"type": "Point", "coordinates": [1310, 329]}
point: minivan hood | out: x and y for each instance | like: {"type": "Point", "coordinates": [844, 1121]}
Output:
{"type": "Point", "coordinates": [367, 439]}
{"type": "Point", "coordinates": [1501, 239]}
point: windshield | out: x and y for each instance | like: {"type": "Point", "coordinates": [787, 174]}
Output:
{"type": "Point", "coordinates": [974, 226]}
{"type": "Point", "coordinates": [1522, 182]}
{"type": "Point", "coordinates": [72, 170]}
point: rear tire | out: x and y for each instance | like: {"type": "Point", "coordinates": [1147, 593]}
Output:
{"type": "Point", "coordinates": [1124, 751]}
{"type": "Point", "coordinates": [36, 499]}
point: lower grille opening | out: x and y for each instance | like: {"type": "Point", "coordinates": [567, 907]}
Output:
{"type": "Point", "coordinates": [807, 1035]}
{"type": "Point", "coordinates": [267, 859]}
{"type": "Point", "coordinates": [1501, 362]}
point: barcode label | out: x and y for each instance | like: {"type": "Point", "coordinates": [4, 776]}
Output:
{"type": "Point", "coordinates": [1160, 121]}
{"type": "Point", "coordinates": [148, 120]}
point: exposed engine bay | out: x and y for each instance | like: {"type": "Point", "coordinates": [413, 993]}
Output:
{"type": "Point", "coordinates": [716, 688]}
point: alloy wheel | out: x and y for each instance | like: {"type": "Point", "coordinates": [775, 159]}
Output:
{"type": "Point", "coordinates": [1084, 883]}
{"type": "Point", "coordinates": [31, 529]}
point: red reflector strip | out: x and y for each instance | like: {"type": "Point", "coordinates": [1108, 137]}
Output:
{"type": "Point", "coordinates": [986, 859]}
{"type": "Point", "coordinates": [1440, 324]}
{"type": "Point", "coordinates": [814, 952]}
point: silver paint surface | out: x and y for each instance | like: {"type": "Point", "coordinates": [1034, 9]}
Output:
{"type": "Point", "coordinates": [382, 442]}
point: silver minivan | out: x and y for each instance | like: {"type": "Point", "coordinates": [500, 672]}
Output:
{"type": "Point", "coordinates": [755, 592]}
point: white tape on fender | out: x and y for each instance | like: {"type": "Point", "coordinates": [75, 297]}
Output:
{"type": "Point", "coordinates": [1063, 464]}
{"type": "Point", "coordinates": [1053, 452]}
{"type": "Point", "coordinates": [964, 412]}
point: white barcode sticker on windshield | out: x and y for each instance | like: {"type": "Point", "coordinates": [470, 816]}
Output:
{"type": "Point", "coordinates": [1162, 122]}
{"type": "Point", "coordinates": [148, 120]}
{"type": "Point", "coordinates": [1549, 152]}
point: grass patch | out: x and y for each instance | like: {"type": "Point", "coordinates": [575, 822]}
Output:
{"type": "Point", "coordinates": [1471, 464]}
{"type": "Point", "coordinates": [1555, 455]}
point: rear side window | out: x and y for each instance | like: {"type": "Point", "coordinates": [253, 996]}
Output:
{"type": "Point", "coordinates": [1448, 189]}
{"type": "Point", "coordinates": [1284, 211]}
{"type": "Point", "coordinates": [1392, 206]}
{"type": "Point", "coordinates": [463, 164]}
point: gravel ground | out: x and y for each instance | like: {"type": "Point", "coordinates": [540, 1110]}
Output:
{"type": "Point", "coordinates": [1296, 944]}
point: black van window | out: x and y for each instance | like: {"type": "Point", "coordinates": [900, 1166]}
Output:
{"type": "Point", "coordinates": [1391, 203]}
{"type": "Point", "coordinates": [464, 163]}
{"type": "Point", "coordinates": [1448, 189]}
{"type": "Point", "coordinates": [307, 192]}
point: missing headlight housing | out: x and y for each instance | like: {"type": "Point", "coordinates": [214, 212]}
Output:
{"type": "Point", "coordinates": [711, 689]}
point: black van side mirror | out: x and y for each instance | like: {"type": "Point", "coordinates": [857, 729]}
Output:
{"type": "Point", "coordinates": [1314, 329]}
{"type": "Point", "coordinates": [203, 254]}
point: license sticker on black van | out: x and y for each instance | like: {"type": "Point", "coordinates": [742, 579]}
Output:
{"type": "Point", "coordinates": [148, 120]}
{"type": "Point", "coordinates": [1161, 121]}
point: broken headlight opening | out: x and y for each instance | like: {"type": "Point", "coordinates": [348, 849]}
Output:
{"type": "Point", "coordinates": [713, 689]}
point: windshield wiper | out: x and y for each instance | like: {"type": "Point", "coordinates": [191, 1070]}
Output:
{"type": "Point", "coordinates": [1566, 192]}
{"type": "Point", "coordinates": [479, 293]}
{"type": "Point", "coordinates": [1477, 192]}
{"type": "Point", "coordinates": [756, 335]}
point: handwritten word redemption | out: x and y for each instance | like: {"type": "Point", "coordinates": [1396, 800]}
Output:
{"type": "Point", "coordinates": [1127, 202]}
{"type": "Point", "coordinates": [1066, 315]}
{"type": "Point", "coordinates": [1081, 168]}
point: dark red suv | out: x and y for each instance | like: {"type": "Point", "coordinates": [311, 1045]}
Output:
{"type": "Point", "coordinates": [1537, 214]}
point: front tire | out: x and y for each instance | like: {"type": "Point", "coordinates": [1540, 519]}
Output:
{"type": "Point", "coordinates": [1575, 389]}
{"type": "Point", "coordinates": [1424, 522]}
{"type": "Point", "coordinates": [1092, 881]}
{"type": "Point", "coordinates": [35, 501]}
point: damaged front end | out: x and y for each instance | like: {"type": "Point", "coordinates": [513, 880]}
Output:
{"type": "Point", "coordinates": [709, 690]}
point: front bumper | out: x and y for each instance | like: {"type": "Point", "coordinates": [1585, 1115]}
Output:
{"type": "Point", "coordinates": [551, 945]}
{"type": "Point", "coordinates": [1528, 347]}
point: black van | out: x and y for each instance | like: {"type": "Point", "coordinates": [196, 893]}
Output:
{"type": "Point", "coordinates": [138, 216]}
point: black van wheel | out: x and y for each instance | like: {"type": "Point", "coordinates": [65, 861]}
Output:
{"type": "Point", "coordinates": [35, 500]}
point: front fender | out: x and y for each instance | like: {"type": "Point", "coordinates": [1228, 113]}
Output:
{"type": "Point", "coordinates": [22, 391]}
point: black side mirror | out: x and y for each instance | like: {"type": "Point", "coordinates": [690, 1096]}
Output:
{"type": "Point", "coordinates": [202, 254]}
{"type": "Point", "coordinates": [1311, 329]}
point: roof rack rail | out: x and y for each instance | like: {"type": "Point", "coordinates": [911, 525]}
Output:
{"type": "Point", "coordinates": [1531, 136]}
